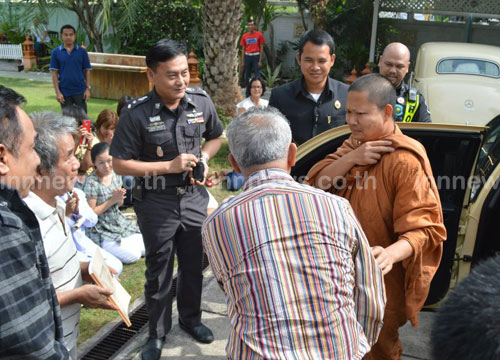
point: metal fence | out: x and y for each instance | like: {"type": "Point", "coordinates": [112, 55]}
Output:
{"type": "Point", "coordinates": [11, 52]}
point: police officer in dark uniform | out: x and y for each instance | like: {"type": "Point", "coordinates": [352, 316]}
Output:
{"type": "Point", "coordinates": [315, 103]}
{"type": "Point", "coordinates": [410, 105]}
{"type": "Point", "coordinates": [159, 140]}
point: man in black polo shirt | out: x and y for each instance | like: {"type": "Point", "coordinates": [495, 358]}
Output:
{"type": "Point", "coordinates": [316, 102]}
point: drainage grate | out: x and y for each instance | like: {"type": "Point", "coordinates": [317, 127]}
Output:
{"type": "Point", "coordinates": [120, 335]}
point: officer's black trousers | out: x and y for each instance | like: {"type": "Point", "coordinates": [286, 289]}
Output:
{"type": "Point", "coordinates": [170, 224]}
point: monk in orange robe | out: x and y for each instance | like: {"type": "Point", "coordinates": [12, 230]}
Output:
{"type": "Point", "coordinates": [387, 178]}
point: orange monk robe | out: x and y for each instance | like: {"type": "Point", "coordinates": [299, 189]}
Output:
{"type": "Point", "coordinates": [396, 199]}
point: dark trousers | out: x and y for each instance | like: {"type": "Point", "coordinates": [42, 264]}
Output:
{"type": "Point", "coordinates": [75, 100]}
{"type": "Point", "coordinates": [171, 224]}
{"type": "Point", "coordinates": [251, 64]}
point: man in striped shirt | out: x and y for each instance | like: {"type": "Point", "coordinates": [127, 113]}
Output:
{"type": "Point", "coordinates": [56, 176]}
{"type": "Point", "coordinates": [296, 267]}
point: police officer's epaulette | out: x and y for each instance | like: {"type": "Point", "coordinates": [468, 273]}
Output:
{"type": "Point", "coordinates": [133, 103]}
{"type": "Point", "coordinates": [197, 91]}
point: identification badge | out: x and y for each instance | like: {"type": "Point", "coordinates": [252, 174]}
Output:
{"type": "Point", "coordinates": [154, 118]}
{"type": "Point", "coordinates": [337, 104]}
{"type": "Point", "coordinates": [159, 151]}
{"type": "Point", "coordinates": [160, 126]}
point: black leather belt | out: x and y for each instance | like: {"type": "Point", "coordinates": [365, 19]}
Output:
{"type": "Point", "coordinates": [174, 190]}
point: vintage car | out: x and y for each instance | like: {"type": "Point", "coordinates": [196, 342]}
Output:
{"type": "Point", "coordinates": [461, 82]}
{"type": "Point", "coordinates": [465, 162]}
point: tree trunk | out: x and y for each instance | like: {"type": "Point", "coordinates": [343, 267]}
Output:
{"type": "Point", "coordinates": [221, 28]}
{"type": "Point", "coordinates": [87, 14]}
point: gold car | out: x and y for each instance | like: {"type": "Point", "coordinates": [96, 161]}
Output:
{"type": "Point", "coordinates": [461, 82]}
{"type": "Point", "coordinates": [465, 162]}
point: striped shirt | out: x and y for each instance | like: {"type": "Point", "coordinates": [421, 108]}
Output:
{"type": "Point", "coordinates": [62, 257]}
{"type": "Point", "coordinates": [30, 317]}
{"type": "Point", "coordinates": [298, 273]}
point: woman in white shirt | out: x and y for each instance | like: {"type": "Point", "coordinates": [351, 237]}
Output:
{"type": "Point", "coordinates": [255, 89]}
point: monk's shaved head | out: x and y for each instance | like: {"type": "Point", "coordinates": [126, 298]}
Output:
{"type": "Point", "coordinates": [394, 63]}
{"type": "Point", "coordinates": [380, 91]}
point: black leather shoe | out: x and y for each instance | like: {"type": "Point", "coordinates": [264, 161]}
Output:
{"type": "Point", "coordinates": [199, 332]}
{"type": "Point", "coordinates": [152, 349]}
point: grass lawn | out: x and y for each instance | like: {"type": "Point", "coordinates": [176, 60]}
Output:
{"type": "Point", "coordinates": [41, 96]}
{"type": "Point", "coordinates": [91, 320]}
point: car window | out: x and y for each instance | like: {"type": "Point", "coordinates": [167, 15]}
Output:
{"type": "Point", "coordinates": [488, 159]}
{"type": "Point", "coordinates": [468, 67]}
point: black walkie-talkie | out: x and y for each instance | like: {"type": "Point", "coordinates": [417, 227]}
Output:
{"type": "Point", "coordinates": [199, 169]}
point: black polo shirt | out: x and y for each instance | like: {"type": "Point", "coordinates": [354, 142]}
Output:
{"type": "Point", "coordinates": [307, 117]}
{"type": "Point", "coordinates": [149, 131]}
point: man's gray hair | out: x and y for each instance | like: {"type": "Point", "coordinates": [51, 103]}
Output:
{"type": "Point", "coordinates": [50, 128]}
{"type": "Point", "coordinates": [259, 136]}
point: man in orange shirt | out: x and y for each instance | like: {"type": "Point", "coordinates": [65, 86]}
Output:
{"type": "Point", "coordinates": [252, 43]}
{"type": "Point", "coordinates": [387, 178]}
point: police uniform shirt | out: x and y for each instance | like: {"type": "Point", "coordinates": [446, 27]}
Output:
{"type": "Point", "coordinates": [149, 131]}
{"type": "Point", "coordinates": [307, 117]}
{"type": "Point", "coordinates": [422, 113]}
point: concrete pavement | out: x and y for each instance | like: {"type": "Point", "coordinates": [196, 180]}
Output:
{"type": "Point", "coordinates": [9, 69]}
{"type": "Point", "coordinates": [179, 345]}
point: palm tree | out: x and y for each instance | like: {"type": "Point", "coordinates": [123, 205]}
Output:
{"type": "Point", "coordinates": [221, 28]}
{"type": "Point", "coordinates": [95, 16]}
{"type": "Point", "coordinates": [318, 13]}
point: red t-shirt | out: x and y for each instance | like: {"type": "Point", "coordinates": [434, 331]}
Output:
{"type": "Point", "coordinates": [251, 42]}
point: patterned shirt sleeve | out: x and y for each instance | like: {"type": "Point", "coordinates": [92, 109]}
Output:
{"type": "Point", "coordinates": [91, 188]}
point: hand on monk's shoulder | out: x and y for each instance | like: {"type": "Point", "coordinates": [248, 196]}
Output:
{"type": "Point", "coordinates": [370, 152]}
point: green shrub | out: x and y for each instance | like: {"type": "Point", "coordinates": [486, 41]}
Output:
{"type": "Point", "coordinates": [161, 19]}
{"type": "Point", "coordinates": [13, 23]}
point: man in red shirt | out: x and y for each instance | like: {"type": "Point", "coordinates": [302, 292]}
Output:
{"type": "Point", "coordinates": [252, 43]}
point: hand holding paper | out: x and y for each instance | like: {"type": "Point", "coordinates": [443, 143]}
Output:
{"type": "Point", "coordinates": [101, 275]}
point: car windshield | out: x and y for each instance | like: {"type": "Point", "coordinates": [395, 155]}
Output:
{"type": "Point", "coordinates": [489, 157]}
{"type": "Point", "coordinates": [468, 67]}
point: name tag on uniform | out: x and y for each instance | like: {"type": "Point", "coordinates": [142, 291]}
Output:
{"type": "Point", "coordinates": [156, 127]}
{"type": "Point", "coordinates": [154, 118]}
{"type": "Point", "coordinates": [195, 118]}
